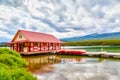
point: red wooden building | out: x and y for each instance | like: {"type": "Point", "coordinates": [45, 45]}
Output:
{"type": "Point", "coordinates": [28, 42]}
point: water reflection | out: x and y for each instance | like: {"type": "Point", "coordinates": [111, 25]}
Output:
{"type": "Point", "coordinates": [74, 68]}
{"type": "Point", "coordinates": [41, 64]}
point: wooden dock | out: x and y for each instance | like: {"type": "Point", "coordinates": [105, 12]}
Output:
{"type": "Point", "coordinates": [38, 52]}
{"type": "Point", "coordinates": [34, 53]}
{"type": "Point", "coordinates": [102, 54]}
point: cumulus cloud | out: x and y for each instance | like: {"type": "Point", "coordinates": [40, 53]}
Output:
{"type": "Point", "coordinates": [62, 18]}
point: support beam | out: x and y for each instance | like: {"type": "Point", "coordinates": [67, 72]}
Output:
{"type": "Point", "coordinates": [18, 47]}
{"type": "Point", "coordinates": [40, 46]}
{"type": "Point", "coordinates": [13, 46]}
{"type": "Point", "coordinates": [48, 46]}
{"type": "Point", "coordinates": [27, 47]}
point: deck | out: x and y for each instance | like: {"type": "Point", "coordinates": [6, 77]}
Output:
{"type": "Point", "coordinates": [37, 52]}
{"type": "Point", "coordinates": [89, 54]}
{"type": "Point", "coordinates": [102, 54]}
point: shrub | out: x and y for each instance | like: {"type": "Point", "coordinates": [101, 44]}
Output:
{"type": "Point", "coordinates": [12, 66]}
{"type": "Point", "coordinates": [8, 51]}
{"type": "Point", "coordinates": [15, 74]}
{"type": "Point", "coordinates": [12, 60]}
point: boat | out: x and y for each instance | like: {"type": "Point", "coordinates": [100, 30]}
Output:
{"type": "Point", "coordinates": [71, 51]}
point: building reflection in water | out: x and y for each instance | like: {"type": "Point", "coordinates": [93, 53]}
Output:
{"type": "Point", "coordinates": [43, 63]}
{"type": "Point", "coordinates": [64, 60]}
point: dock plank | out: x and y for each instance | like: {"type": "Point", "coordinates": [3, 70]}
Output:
{"type": "Point", "coordinates": [102, 54]}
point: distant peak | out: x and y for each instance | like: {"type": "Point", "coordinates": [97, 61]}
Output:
{"type": "Point", "coordinates": [95, 36]}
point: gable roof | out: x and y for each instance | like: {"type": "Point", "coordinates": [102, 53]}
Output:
{"type": "Point", "coordinates": [38, 37]}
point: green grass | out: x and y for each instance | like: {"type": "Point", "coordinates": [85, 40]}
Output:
{"type": "Point", "coordinates": [12, 66]}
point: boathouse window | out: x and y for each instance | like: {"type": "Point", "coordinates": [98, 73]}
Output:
{"type": "Point", "coordinates": [20, 36]}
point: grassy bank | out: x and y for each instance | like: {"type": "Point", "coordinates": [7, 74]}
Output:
{"type": "Point", "coordinates": [94, 43]}
{"type": "Point", "coordinates": [12, 66]}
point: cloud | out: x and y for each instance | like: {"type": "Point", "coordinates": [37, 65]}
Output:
{"type": "Point", "coordinates": [62, 18]}
{"type": "Point", "coordinates": [13, 3]}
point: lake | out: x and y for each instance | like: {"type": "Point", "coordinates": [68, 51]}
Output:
{"type": "Point", "coordinates": [64, 67]}
{"type": "Point", "coordinates": [59, 67]}
{"type": "Point", "coordinates": [115, 49]}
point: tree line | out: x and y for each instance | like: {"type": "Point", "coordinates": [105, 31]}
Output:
{"type": "Point", "coordinates": [94, 43]}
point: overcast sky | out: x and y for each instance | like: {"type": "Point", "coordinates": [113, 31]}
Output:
{"type": "Point", "coordinates": [62, 18]}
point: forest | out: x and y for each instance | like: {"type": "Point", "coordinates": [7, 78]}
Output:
{"type": "Point", "coordinates": [94, 43]}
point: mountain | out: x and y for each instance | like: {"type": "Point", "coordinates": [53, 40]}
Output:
{"type": "Point", "coordinates": [2, 43]}
{"type": "Point", "coordinates": [95, 36]}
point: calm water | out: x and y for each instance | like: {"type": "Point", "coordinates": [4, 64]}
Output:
{"type": "Point", "coordinates": [115, 49]}
{"type": "Point", "coordinates": [54, 67]}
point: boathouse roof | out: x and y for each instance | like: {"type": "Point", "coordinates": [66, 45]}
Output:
{"type": "Point", "coordinates": [36, 37]}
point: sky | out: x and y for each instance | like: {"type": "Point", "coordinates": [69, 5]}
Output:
{"type": "Point", "coordinates": [61, 18]}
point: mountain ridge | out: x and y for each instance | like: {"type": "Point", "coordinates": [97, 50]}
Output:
{"type": "Point", "coordinates": [95, 36]}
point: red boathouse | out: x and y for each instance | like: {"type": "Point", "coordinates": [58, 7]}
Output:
{"type": "Point", "coordinates": [28, 42]}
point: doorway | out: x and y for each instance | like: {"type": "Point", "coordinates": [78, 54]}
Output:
{"type": "Point", "coordinates": [21, 47]}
